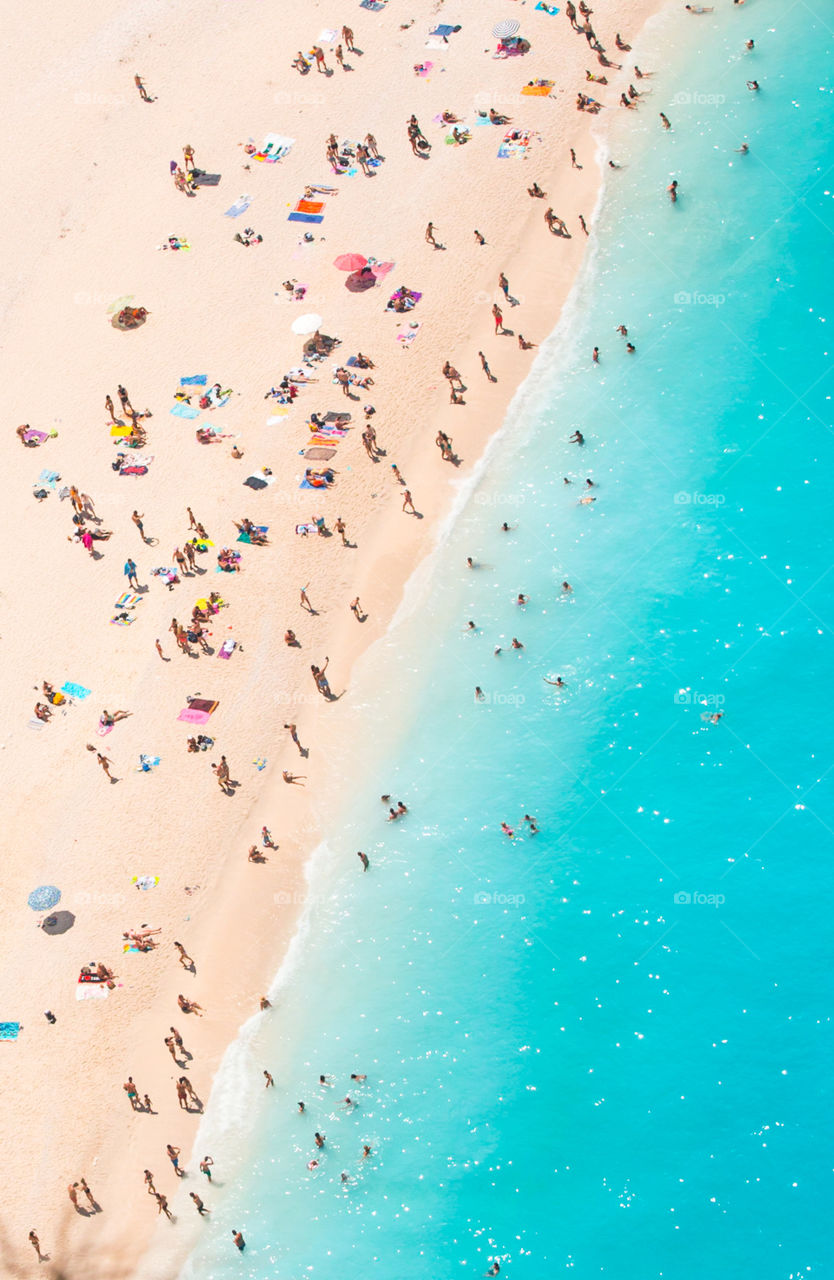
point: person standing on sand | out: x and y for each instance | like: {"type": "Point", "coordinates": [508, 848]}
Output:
{"type": "Point", "coordinates": [36, 1244]}
{"type": "Point", "coordinates": [490, 375]}
{"type": "Point", "coordinates": [184, 957]}
{"type": "Point", "coordinates": [293, 732]}
{"type": "Point", "coordinates": [132, 1092]}
{"type": "Point", "coordinates": [340, 528]}
{"type": "Point", "coordinates": [137, 519]}
{"type": "Point", "coordinates": [408, 503]}
{"type": "Point", "coordinates": [188, 156]}
{"type": "Point", "coordinates": [162, 1202]}
{"type": "Point", "coordinates": [130, 573]}
{"type": "Point", "coordinates": [88, 1193]}
{"type": "Point", "coordinates": [498, 318]}
{"type": "Point", "coordinates": [318, 54]}
{"type": "Point", "coordinates": [73, 1195]}
{"type": "Point", "coordinates": [148, 1176]}
{"type": "Point", "coordinates": [140, 85]}
{"type": "Point", "coordinates": [108, 404]}
{"type": "Point", "coordinates": [347, 36]}
{"type": "Point", "coordinates": [105, 764]}
{"type": "Point", "coordinates": [305, 599]}
{"type": "Point", "coordinates": [174, 1157]}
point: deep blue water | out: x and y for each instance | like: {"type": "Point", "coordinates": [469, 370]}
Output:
{"type": "Point", "coordinates": [604, 1048]}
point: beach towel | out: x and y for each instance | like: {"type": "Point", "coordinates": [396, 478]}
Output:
{"type": "Point", "coordinates": [122, 620]}
{"type": "Point", "coordinates": [181, 410]}
{"type": "Point", "coordinates": [423, 69]}
{"type": "Point", "coordinates": [196, 380]}
{"type": "Point", "coordinates": [407, 335]}
{"type": "Point", "coordinates": [125, 601]}
{"type": "Point", "coordinates": [193, 717]}
{"type": "Point", "coordinates": [146, 763]}
{"type": "Point", "coordinates": [145, 882]}
{"type": "Point", "coordinates": [541, 89]}
{"type": "Point", "coordinates": [240, 206]}
{"type": "Point", "coordinates": [415, 298]}
{"type": "Point", "coordinates": [261, 528]}
{"type": "Point", "coordinates": [280, 412]}
{"type": "Point", "coordinates": [444, 30]}
{"type": "Point", "coordinates": [35, 723]}
{"type": "Point", "coordinates": [204, 704]}
{"type": "Point", "coordinates": [28, 437]}
{"type": "Point", "coordinates": [319, 455]}
{"type": "Point", "coordinates": [91, 990]}
{"type": "Point", "coordinates": [49, 477]}
{"type": "Point", "coordinates": [304, 529]}
{"type": "Point", "coordinates": [103, 730]}
{"type": "Point", "coordinates": [201, 179]}
{"type": "Point", "coordinates": [305, 217]}
{"type": "Point", "coordinates": [327, 36]}
{"type": "Point", "coordinates": [255, 482]}
{"type": "Point", "coordinates": [119, 429]}
{"type": "Point", "coordinates": [227, 648]}
{"type": "Point", "coordinates": [434, 42]}
{"type": "Point", "coordinates": [375, 6]}
{"type": "Point", "coordinates": [9, 1030]}
{"type": "Point", "coordinates": [75, 690]}
{"type": "Point", "coordinates": [309, 206]}
{"type": "Point", "coordinates": [133, 470]}
{"type": "Point", "coordinates": [546, 8]}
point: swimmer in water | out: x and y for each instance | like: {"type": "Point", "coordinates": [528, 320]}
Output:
{"type": "Point", "coordinates": [470, 626]}
{"type": "Point", "coordinates": [508, 831]}
{"type": "Point", "coordinates": [355, 1076]}
{"type": "Point", "coordinates": [517, 644]}
{"type": "Point", "coordinates": [301, 1108]}
{"type": "Point", "coordinates": [319, 1140]}
{"type": "Point", "coordinates": [479, 693]}
{"type": "Point", "coordinates": [325, 1083]}
{"type": "Point", "coordinates": [753, 85]}
{"type": "Point", "coordinates": [665, 119]}
{"type": "Point", "coordinates": [521, 598]}
{"type": "Point", "coordinates": [630, 348]}
{"type": "Point", "coordinates": [507, 528]}
{"type": "Point", "coordinates": [576, 438]}
{"type": "Point", "coordinates": [558, 683]}
{"type": "Point", "coordinates": [566, 587]}
{"type": "Point", "coordinates": [496, 651]}
{"type": "Point", "coordinates": [366, 1151]}
{"type": "Point", "coordinates": [672, 190]}
{"type": "Point", "coordinates": [622, 330]}
{"type": "Point", "coordinates": [750, 44]}
{"type": "Point", "coordinates": [743, 149]}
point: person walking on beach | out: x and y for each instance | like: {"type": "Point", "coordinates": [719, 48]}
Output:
{"type": "Point", "coordinates": [498, 318]}
{"type": "Point", "coordinates": [108, 404]}
{"type": "Point", "coordinates": [408, 503]}
{"type": "Point", "coordinates": [347, 36]}
{"type": "Point", "coordinates": [293, 732]}
{"type": "Point", "coordinates": [88, 1193]}
{"type": "Point", "coordinates": [184, 958]}
{"type": "Point", "coordinates": [490, 375]}
{"type": "Point", "coordinates": [162, 1205]}
{"type": "Point", "coordinates": [270, 1083]}
{"type": "Point", "coordinates": [430, 237]}
{"type": "Point", "coordinates": [205, 1166]}
{"type": "Point", "coordinates": [174, 1157]}
{"type": "Point", "coordinates": [148, 1176]}
{"type": "Point", "coordinates": [341, 528]}
{"type": "Point", "coordinates": [140, 85]}
{"type": "Point", "coordinates": [36, 1244]}
{"type": "Point", "coordinates": [504, 286]}
{"type": "Point", "coordinates": [198, 1204]}
{"type": "Point", "coordinates": [73, 1195]}
{"type": "Point", "coordinates": [130, 573]}
{"type": "Point", "coordinates": [305, 599]}
{"type": "Point", "coordinates": [363, 858]}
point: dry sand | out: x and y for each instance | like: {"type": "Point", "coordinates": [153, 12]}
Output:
{"type": "Point", "coordinates": [88, 200]}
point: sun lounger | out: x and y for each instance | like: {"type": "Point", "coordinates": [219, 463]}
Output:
{"type": "Point", "coordinates": [319, 454]}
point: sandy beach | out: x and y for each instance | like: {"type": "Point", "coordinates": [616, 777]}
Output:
{"type": "Point", "coordinates": [89, 160]}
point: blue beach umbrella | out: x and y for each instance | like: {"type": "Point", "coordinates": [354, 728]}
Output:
{"type": "Point", "coordinates": [44, 897]}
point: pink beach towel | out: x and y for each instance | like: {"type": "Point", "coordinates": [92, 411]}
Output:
{"type": "Point", "coordinates": [193, 717]}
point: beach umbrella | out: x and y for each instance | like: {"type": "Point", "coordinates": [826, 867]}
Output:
{"type": "Point", "coordinates": [506, 28]}
{"type": "Point", "coordinates": [44, 897]}
{"type": "Point", "coordinates": [350, 262]}
{"type": "Point", "coordinates": [58, 922]}
{"type": "Point", "coordinates": [306, 324]}
{"type": "Point", "coordinates": [381, 269]}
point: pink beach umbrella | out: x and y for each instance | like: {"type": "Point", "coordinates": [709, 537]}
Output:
{"type": "Point", "coordinates": [350, 262]}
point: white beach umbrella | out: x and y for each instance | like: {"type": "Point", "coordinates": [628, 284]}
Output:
{"type": "Point", "coordinates": [506, 28]}
{"type": "Point", "coordinates": [306, 324]}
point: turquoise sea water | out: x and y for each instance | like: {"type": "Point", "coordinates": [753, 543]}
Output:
{"type": "Point", "coordinates": [603, 1048]}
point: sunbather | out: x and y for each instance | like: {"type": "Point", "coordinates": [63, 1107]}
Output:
{"type": "Point", "coordinates": [110, 718]}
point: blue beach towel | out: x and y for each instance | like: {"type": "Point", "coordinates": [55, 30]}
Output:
{"type": "Point", "coordinates": [185, 411]}
{"type": "Point", "coordinates": [443, 31]}
{"type": "Point", "coordinates": [306, 217]}
{"type": "Point", "coordinates": [9, 1030]}
{"type": "Point", "coordinates": [240, 206]}
{"type": "Point", "coordinates": [547, 8]}
{"type": "Point", "coordinates": [198, 380]}
{"type": "Point", "coordinates": [48, 477]}
{"type": "Point", "coordinates": [75, 690]}
{"type": "Point", "coordinates": [374, 5]}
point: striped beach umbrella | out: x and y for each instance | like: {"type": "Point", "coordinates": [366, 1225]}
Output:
{"type": "Point", "coordinates": [506, 28]}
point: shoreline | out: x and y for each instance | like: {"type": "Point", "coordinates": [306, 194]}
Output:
{"type": "Point", "coordinates": [380, 584]}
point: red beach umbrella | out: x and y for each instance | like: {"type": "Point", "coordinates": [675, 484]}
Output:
{"type": "Point", "coordinates": [350, 262]}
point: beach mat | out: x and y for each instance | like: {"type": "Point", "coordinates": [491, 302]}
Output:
{"type": "Point", "coordinates": [240, 206]}
{"type": "Point", "coordinates": [181, 410]}
{"type": "Point", "coordinates": [200, 179]}
{"type": "Point", "coordinates": [538, 90]}
{"type": "Point", "coordinates": [91, 991]}
{"type": "Point", "coordinates": [73, 690]}
{"type": "Point", "coordinates": [227, 648]}
{"type": "Point", "coordinates": [305, 217]}
{"type": "Point", "coordinates": [196, 380]}
{"type": "Point", "coordinates": [193, 717]}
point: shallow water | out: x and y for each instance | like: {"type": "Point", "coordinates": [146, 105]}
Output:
{"type": "Point", "coordinates": [603, 1047]}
